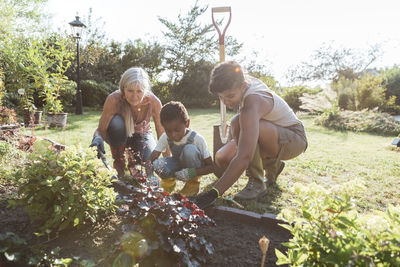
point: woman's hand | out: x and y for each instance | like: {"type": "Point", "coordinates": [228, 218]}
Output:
{"type": "Point", "coordinates": [98, 142]}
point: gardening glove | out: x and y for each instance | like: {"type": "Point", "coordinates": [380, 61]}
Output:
{"type": "Point", "coordinates": [207, 199]}
{"type": "Point", "coordinates": [185, 174]}
{"type": "Point", "coordinates": [98, 142]}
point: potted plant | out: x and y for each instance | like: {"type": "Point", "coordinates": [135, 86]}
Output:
{"type": "Point", "coordinates": [50, 59]}
{"type": "Point", "coordinates": [55, 115]}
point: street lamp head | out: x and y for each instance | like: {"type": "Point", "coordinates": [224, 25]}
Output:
{"type": "Point", "coordinates": [77, 27]}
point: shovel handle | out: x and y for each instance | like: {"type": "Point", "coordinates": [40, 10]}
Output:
{"type": "Point", "coordinates": [221, 10]}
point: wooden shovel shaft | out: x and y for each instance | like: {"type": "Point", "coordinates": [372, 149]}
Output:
{"type": "Point", "coordinates": [224, 127]}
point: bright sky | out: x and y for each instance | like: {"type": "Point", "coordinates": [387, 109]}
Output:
{"type": "Point", "coordinates": [283, 32]}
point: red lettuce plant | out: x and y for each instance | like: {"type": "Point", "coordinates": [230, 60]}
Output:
{"type": "Point", "coordinates": [168, 223]}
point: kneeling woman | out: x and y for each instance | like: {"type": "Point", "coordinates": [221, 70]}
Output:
{"type": "Point", "coordinates": [265, 132]}
{"type": "Point", "coordinates": [125, 121]}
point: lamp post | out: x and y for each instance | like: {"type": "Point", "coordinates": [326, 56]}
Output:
{"type": "Point", "coordinates": [77, 27]}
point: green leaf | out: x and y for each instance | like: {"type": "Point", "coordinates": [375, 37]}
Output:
{"type": "Point", "coordinates": [282, 259]}
{"type": "Point", "coordinates": [76, 221]}
{"type": "Point", "coordinates": [346, 221]}
{"type": "Point", "coordinates": [306, 215]}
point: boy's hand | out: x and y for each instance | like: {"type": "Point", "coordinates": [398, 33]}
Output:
{"type": "Point", "coordinates": [98, 142]}
{"type": "Point", "coordinates": [149, 166]}
{"type": "Point", "coordinates": [185, 174]}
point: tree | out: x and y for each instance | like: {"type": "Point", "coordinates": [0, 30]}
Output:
{"type": "Point", "coordinates": [329, 63]}
{"type": "Point", "coordinates": [146, 55]}
{"type": "Point", "coordinates": [188, 42]}
{"type": "Point", "coordinates": [22, 16]}
{"type": "Point", "coordinates": [392, 83]}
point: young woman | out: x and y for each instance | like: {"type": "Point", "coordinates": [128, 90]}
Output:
{"type": "Point", "coordinates": [265, 132]}
{"type": "Point", "coordinates": [125, 121]}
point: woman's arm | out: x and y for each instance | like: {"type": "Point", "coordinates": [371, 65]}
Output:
{"type": "Point", "coordinates": [249, 120]}
{"type": "Point", "coordinates": [157, 122]}
{"type": "Point", "coordinates": [109, 110]}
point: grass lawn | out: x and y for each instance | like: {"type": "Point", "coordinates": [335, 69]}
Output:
{"type": "Point", "coordinates": [332, 158]}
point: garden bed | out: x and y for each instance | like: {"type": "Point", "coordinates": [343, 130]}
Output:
{"type": "Point", "coordinates": [235, 236]}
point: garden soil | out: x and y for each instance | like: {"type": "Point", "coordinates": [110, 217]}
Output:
{"type": "Point", "coordinates": [235, 241]}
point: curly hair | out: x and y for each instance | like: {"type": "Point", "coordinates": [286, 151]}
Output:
{"type": "Point", "coordinates": [225, 76]}
{"type": "Point", "coordinates": [173, 110]}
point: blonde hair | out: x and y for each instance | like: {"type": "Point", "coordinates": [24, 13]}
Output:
{"type": "Point", "coordinates": [138, 77]}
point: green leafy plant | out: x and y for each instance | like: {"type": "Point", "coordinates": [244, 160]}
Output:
{"type": "Point", "coordinates": [65, 189]}
{"type": "Point", "coordinates": [9, 246]}
{"type": "Point", "coordinates": [47, 61]}
{"type": "Point", "coordinates": [328, 230]}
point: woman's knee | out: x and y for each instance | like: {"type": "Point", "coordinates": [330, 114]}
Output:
{"type": "Point", "coordinates": [116, 133]}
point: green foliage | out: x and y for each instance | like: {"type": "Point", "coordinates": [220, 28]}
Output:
{"type": "Point", "coordinates": [7, 116]}
{"type": "Point", "coordinates": [94, 94]}
{"type": "Point", "coordinates": [392, 83]}
{"type": "Point", "coordinates": [2, 88]}
{"type": "Point", "coordinates": [369, 92]}
{"type": "Point", "coordinates": [65, 189]}
{"type": "Point", "coordinates": [188, 42]}
{"type": "Point", "coordinates": [292, 95]}
{"type": "Point", "coordinates": [328, 231]}
{"type": "Point", "coordinates": [9, 246]}
{"type": "Point", "coordinates": [359, 121]}
{"type": "Point", "coordinates": [192, 89]}
{"type": "Point", "coordinates": [10, 157]}
{"type": "Point", "coordinates": [21, 16]}
{"type": "Point", "coordinates": [366, 92]}
{"type": "Point", "coordinates": [37, 66]}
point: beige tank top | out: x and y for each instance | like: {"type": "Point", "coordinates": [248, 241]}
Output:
{"type": "Point", "coordinates": [281, 114]}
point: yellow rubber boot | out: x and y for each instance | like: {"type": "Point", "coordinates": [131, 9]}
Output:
{"type": "Point", "coordinates": [168, 184]}
{"type": "Point", "coordinates": [191, 187]}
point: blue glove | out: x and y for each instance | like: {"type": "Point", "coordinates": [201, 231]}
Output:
{"type": "Point", "coordinates": [98, 142]}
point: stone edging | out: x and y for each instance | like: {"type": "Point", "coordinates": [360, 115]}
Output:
{"type": "Point", "coordinates": [244, 215]}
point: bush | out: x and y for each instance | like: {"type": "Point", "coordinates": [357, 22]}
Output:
{"type": "Point", "coordinates": [392, 83]}
{"type": "Point", "coordinates": [328, 231]}
{"type": "Point", "coordinates": [192, 89]}
{"type": "Point", "coordinates": [65, 189]}
{"type": "Point", "coordinates": [359, 121]}
{"type": "Point", "coordinates": [68, 95]}
{"type": "Point", "coordinates": [94, 94]}
{"type": "Point", "coordinates": [292, 96]}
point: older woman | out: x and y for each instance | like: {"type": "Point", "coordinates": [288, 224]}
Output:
{"type": "Point", "coordinates": [125, 121]}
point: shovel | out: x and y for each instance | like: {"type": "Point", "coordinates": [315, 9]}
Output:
{"type": "Point", "coordinates": [221, 132]}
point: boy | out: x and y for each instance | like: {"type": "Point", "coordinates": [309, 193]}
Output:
{"type": "Point", "coordinates": [190, 155]}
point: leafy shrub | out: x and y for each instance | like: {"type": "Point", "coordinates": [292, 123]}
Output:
{"type": "Point", "coordinates": [292, 96]}
{"type": "Point", "coordinates": [65, 189]}
{"type": "Point", "coordinates": [328, 231]}
{"type": "Point", "coordinates": [359, 121]}
{"type": "Point", "coordinates": [368, 91]}
{"type": "Point", "coordinates": [94, 94]}
{"type": "Point", "coordinates": [162, 229]}
{"type": "Point", "coordinates": [392, 83]}
{"type": "Point", "coordinates": [7, 116]}
{"type": "Point", "coordinates": [68, 95]}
